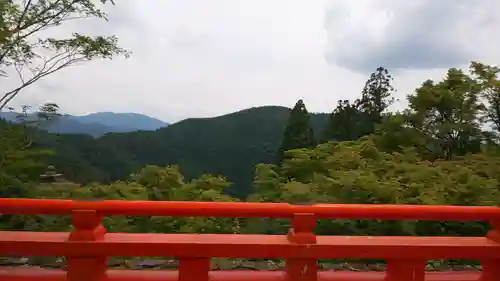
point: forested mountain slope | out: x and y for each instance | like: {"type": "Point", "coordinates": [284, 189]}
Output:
{"type": "Point", "coordinates": [229, 145]}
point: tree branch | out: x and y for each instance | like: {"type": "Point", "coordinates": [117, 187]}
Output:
{"type": "Point", "coordinates": [45, 70]}
{"type": "Point", "coordinates": [25, 55]}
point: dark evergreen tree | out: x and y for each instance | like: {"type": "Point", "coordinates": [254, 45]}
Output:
{"type": "Point", "coordinates": [375, 98]}
{"type": "Point", "coordinates": [298, 132]}
{"type": "Point", "coordinates": [343, 123]}
{"type": "Point", "coordinates": [352, 120]}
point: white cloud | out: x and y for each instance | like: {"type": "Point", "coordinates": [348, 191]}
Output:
{"type": "Point", "coordinates": [196, 58]}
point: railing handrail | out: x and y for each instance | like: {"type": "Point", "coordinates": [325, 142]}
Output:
{"type": "Point", "coordinates": [249, 246]}
{"type": "Point", "coordinates": [88, 245]}
{"type": "Point", "coordinates": [247, 209]}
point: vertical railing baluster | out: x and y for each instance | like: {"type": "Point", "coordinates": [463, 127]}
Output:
{"type": "Point", "coordinates": [491, 268]}
{"type": "Point", "coordinates": [87, 224]}
{"type": "Point", "coordinates": [407, 270]}
{"type": "Point", "coordinates": [191, 269]}
{"type": "Point", "coordinates": [302, 233]}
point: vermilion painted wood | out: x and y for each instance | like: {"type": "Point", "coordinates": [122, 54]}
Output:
{"type": "Point", "coordinates": [88, 246]}
{"type": "Point", "coordinates": [244, 209]}
{"type": "Point", "coordinates": [248, 246]}
{"type": "Point", "coordinates": [88, 229]}
{"type": "Point", "coordinates": [21, 274]}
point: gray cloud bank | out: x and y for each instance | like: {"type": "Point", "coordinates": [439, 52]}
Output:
{"type": "Point", "coordinates": [203, 58]}
{"type": "Point", "coordinates": [418, 34]}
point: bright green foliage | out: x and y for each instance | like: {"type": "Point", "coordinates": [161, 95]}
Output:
{"type": "Point", "coordinates": [357, 172]}
{"type": "Point", "coordinates": [168, 184]}
{"type": "Point", "coordinates": [298, 132]}
{"type": "Point", "coordinates": [265, 183]}
{"type": "Point", "coordinates": [446, 115]}
{"type": "Point", "coordinates": [151, 183]}
{"type": "Point", "coordinates": [27, 53]}
{"type": "Point", "coordinates": [161, 184]}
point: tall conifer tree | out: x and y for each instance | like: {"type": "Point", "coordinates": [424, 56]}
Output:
{"type": "Point", "coordinates": [298, 132]}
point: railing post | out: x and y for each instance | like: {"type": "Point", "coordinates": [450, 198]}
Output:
{"type": "Point", "coordinates": [491, 268]}
{"type": "Point", "coordinates": [407, 270]}
{"type": "Point", "coordinates": [191, 269]}
{"type": "Point", "coordinates": [302, 233]}
{"type": "Point", "coordinates": [87, 224]}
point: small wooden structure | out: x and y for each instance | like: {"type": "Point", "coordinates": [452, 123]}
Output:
{"type": "Point", "coordinates": [51, 176]}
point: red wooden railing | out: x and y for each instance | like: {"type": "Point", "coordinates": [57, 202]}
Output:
{"type": "Point", "coordinates": [88, 246]}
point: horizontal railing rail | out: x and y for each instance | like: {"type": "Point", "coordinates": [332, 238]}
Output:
{"type": "Point", "coordinates": [247, 210]}
{"type": "Point", "coordinates": [249, 246]}
{"type": "Point", "coordinates": [88, 246]}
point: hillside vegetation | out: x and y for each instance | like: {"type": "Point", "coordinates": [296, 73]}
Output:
{"type": "Point", "coordinates": [229, 145]}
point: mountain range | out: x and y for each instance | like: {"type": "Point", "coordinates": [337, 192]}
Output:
{"type": "Point", "coordinates": [229, 145]}
{"type": "Point", "coordinates": [95, 124]}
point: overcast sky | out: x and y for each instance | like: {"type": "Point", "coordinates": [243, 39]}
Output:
{"type": "Point", "coordinates": [200, 58]}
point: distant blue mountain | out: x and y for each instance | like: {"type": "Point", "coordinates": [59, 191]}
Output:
{"type": "Point", "coordinates": [95, 124]}
{"type": "Point", "coordinates": [123, 121]}
{"type": "Point", "coordinates": [9, 116]}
